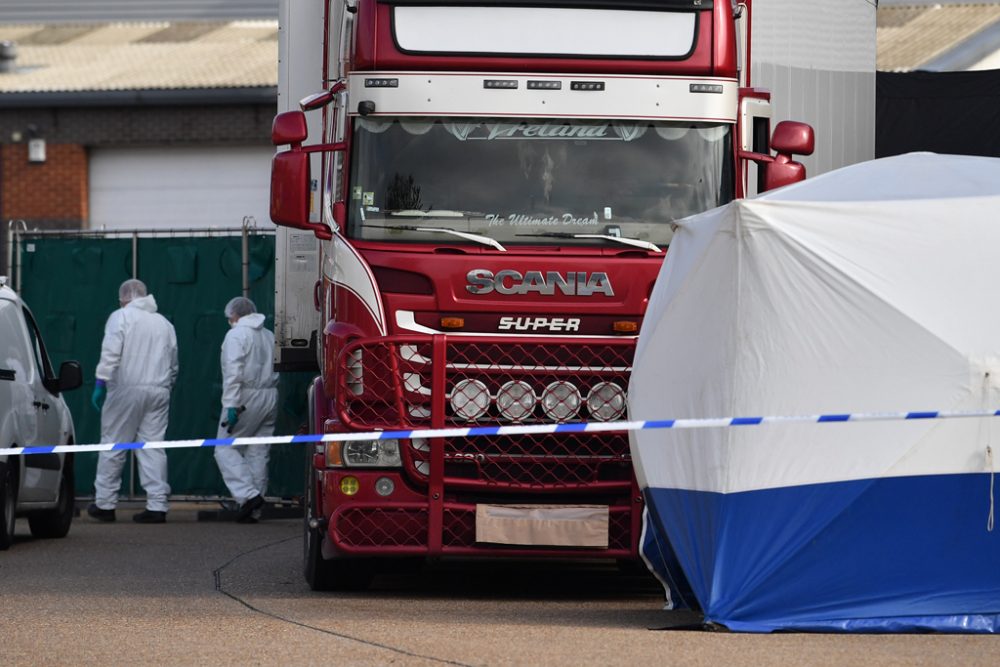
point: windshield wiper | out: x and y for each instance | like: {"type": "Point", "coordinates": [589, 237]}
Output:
{"type": "Point", "coordinates": [485, 240]}
{"type": "Point", "coordinates": [646, 245]}
{"type": "Point", "coordinates": [436, 213]}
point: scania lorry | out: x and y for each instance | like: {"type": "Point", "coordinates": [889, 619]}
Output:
{"type": "Point", "coordinates": [474, 199]}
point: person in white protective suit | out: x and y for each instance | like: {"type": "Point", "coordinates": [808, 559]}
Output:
{"type": "Point", "coordinates": [249, 405]}
{"type": "Point", "coordinates": [136, 372]}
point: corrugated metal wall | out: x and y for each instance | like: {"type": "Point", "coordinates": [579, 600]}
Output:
{"type": "Point", "coordinates": [71, 11]}
{"type": "Point", "coordinates": [818, 60]}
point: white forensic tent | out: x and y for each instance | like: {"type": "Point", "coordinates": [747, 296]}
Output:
{"type": "Point", "coordinates": [872, 288]}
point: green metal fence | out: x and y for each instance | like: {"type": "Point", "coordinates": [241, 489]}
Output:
{"type": "Point", "coordinates": [70, 281]}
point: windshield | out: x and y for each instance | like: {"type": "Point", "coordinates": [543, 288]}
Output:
{"type": "Point", "coordinates": [537, 181]}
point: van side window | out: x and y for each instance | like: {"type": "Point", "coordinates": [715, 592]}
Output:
{"type": "Point", "coordinates": [42, 362]}
{"type": "Point", "coordinates": [14, 352]}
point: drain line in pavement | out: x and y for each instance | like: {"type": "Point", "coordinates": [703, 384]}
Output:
{"type": "Point", "coordinates": [217, 574]}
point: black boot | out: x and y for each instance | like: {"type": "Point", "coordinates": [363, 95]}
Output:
{"type": "Point", "coordinates": [149, 516]}
{"type": "Point", "coordinates": [96, 512]}
{"type": "Point", "coordinates": [247, 509]}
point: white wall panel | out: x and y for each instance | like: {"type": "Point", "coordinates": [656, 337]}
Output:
{"type": "Point", "coordinates": [818, 60]}
{"type": "Point", "coordinates": [179, 187]}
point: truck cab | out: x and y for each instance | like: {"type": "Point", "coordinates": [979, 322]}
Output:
{"type": "Point", "coordinates": [494, 189]}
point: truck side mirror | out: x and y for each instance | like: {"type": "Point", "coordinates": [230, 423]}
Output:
{"type": "Point", "coordinates": [290, 176]}
{"type": "Point", "coordinates": [289, 128]}
{"type": "Point", "coordinates": [789, 138]}
{"type": "Point", "coordinates": [793, 137]}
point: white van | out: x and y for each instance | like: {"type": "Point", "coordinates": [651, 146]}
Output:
{"type": "Point", "coordinates": [33, 412]}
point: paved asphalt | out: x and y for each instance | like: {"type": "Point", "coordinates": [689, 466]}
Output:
{"type": "Point", "coordinates": [214, 593]}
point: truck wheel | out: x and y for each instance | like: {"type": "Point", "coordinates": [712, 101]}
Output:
{"type": "Point", "coordinates": [339, 574]}
{"type": "Point", "coordinates": [8, 504]}
{"type": "Point", "coordinates": [55, 523]}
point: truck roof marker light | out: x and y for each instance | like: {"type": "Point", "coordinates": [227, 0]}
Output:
{"type": "Point", "coordinates": [499, 83]}
{"type": "Point", "coordinates": [586, 85]}
{"type": "Point", "coordinates": [625, 326]}
{"type": "Point", "coordinates": [381, 83]}
{"type": "Point", "coordinates": [452, 322]}
{"type": "Point", "coordinates": [705, 88]}
{"type": "Point", "coordinates": [545, 85]}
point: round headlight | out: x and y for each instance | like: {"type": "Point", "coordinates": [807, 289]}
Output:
{"type": "Point", "coordinates": [516, 400]}
{"type": "Point", "coordinates": [470, 399]}
{"type": "Point", "coordinates": [384, 486]}
{"type": "Point", "coordinates": [349, 485]}
{"type": "Point", "coordinates": [606, 401]}
{"type": "Point", "coordinates": [561, 400]}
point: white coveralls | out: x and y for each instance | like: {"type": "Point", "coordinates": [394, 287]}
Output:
{"type": "Point", "coordinates": [248, 380]}
{"type": "Point", "coordinates": [139, 364]}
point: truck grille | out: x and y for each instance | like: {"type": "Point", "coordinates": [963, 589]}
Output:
{"type": "Point", "coordinates": [433, 382]}
{"type": "Point", "coordinates": [404, 528]}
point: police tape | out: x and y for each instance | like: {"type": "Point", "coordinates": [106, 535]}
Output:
{"type": "Point", "coordinates": [510, 429]}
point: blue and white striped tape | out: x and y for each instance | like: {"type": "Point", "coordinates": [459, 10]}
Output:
{"type": "Point", "coordinates": [512, 429]}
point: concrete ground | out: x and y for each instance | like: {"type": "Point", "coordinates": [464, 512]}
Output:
{"type": "Point", "coordinates": [195, 592]}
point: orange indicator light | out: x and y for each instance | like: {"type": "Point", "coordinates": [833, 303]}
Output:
{"type": "Point", "coordinates": [625, 326]}
{"type": "Point", "coordinates": [333, 456]}
{"type": "Point", "coordinates": [452, 322]}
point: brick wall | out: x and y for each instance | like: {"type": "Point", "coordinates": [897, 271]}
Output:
{"type": "Point", "coordinates": [53, 194]}
{"type": "Point", "coordinates": [46, 195]}
{"type": "Point", "coordinates": [51, 191]}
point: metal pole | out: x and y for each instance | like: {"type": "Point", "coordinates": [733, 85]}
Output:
{"type": "Point", "coordinates": [131, 454]}
{"type": "Point", "coordinates": [17, 249]}
{"type": "Point", "coordinates": [246, 254]}
{"type": "Point", "coordinates": [10, 245]}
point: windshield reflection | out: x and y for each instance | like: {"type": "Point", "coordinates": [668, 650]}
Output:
{"type": "Point", "coordinates": [533, 181]}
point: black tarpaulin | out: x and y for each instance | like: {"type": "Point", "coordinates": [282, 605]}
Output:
{"type": "Point", "coordinates": [940, 112]}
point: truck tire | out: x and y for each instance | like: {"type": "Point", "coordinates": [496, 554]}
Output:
{"type": "Point", "coordinates": [55, 523]}
{"type": "Point", "coordinates": [8, 504]}
{"type": "Point", "coordinates": [338, 574]}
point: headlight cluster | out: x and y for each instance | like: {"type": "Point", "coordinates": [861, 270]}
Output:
{"type": "Point", "coordinates": [364, 454]}
{"type": "Point", "coordinates": [516, 400]}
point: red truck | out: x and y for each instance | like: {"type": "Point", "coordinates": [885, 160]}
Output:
{"type": "Point", "coordinates": [472, 239]}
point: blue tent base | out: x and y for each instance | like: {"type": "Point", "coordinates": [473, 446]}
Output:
{"type": "Point", "coordinates": [886, 555]}
{"type": "Point", "coordinates": [967, 624]}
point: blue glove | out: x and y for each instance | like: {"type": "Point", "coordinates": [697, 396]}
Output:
{"type": "Point", "coordinates": [100, 393]}
{"type": "Point", "coordinates": [232, 415]}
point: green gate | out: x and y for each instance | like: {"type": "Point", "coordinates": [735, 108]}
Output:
{"type": "Point", "coordinates": [70, 281]}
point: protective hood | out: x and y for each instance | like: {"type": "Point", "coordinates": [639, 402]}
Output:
{"type": "Point", "coordinates": [253, 320]}
{"type": "Point", "coordinates": [139, 347]}
{"type": "Point", "coordinates": [147, 303]}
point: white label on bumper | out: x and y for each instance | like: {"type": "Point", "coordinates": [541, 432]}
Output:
{"type": "Point", "coordinates": [543, 525]}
